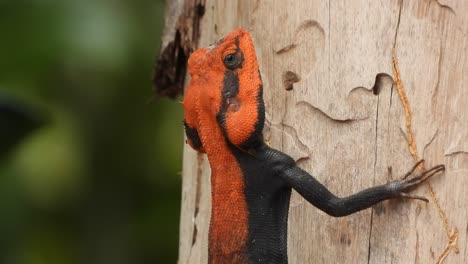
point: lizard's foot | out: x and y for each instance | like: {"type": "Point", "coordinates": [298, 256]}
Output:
{"type": "Point", "coordinates": [406, 183]}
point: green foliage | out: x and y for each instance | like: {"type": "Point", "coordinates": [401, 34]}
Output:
{"type": "Point", "coordinates": [99, 182]}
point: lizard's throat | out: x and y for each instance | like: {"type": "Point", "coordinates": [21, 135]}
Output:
{"type": "Point", "coordinates": [229, 212]}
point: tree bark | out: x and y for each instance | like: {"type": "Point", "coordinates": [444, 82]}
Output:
{"type": "Point", "coordinates": [339, 104]}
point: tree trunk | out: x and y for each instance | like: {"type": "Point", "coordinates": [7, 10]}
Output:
{"type": "Point", "coordinates": [354, 114]}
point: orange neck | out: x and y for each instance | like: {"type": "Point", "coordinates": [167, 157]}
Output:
{"type": "Point", "coordinates": [229, 214]}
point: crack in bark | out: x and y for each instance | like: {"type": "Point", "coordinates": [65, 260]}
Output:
{"type": "Point", "coordinates": [373, 182]}
{"type": "Point", "coordinates": [370, 236]}
{"type": "Point", "coordinates": [398, 24]}
{"type": "Point", "coordinates": [302, 147]}
{"type": "Point", "coordinates": [390, 108]}
{"type": "Point", "coordinates": [391, 98]}
{"type": "Point", "coordinates": [416, 257]}
{"type": "Point", "coordinates": [376, 134]}
{"type": "Point", "coordinates": [334, 119]}
{"type": "Point", "coordinates": [292, 132]}
{"type": "Point", "coordinates": [197, 196]}
{"type": "Point", "coordinates": [436, 90]}
{"type": "Point", "coordinates": [452, 235]}
{"type": "Point", "coordinates": [282, 120]}
{"type": "Point", "coordinates": [309, 23]}
{"type": "Point", "coordinates": [430, 141]}
{"type": "Point", "coordinates": [450, 9]}
{"type": "Point", "coordinates": [380, 80]}
{"type": "Point", "coordinates": [456, 153]}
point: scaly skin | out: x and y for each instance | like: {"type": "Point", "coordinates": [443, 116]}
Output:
{"type": "Point", "coordinates": [250, 182]}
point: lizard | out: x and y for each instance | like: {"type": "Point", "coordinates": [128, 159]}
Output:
{"type": "Point", "coordinates": [251, 183]}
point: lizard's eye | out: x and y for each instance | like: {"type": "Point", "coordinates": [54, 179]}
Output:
{"type": "Point", "coordinates": [231, 61]}
{"type": "Point", "coordinates": [229, 58]}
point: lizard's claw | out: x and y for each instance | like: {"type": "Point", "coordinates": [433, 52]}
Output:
{"type": "Point", "coordinates": [416, 197]}
{"type": "Point", "coordinates": [407, 183]}
{"type": "Point", "coordinates": [410, 182]}
{"type": "Point", "coordinates": [412, 169]}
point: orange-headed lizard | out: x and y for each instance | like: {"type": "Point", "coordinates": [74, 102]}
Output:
{"type": "Point", "coordinates": [250, 182]}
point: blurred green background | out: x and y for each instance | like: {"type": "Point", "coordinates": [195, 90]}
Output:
{"type": "Point", "coordinates": [99, 180]}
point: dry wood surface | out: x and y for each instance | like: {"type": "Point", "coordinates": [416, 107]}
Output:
{"type": "Point", "coordinates": [355, 91]}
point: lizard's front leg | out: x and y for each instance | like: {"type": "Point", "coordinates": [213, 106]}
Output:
{"type": "Point", "coordinates": [319, 196]}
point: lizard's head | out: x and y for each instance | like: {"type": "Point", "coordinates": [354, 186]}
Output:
{"type": "Point", "coordinates": [225, 93]}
